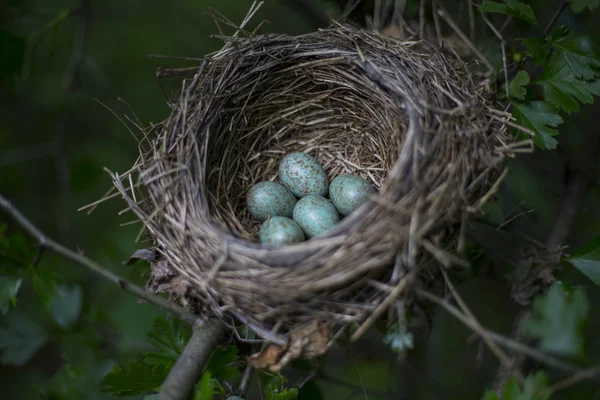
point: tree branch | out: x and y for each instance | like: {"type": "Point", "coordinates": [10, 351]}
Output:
{"type": "Point", "coordinates": [510, 344]}
{"type": "Point", "coordinates": [47, 243]}
{"type": "Point", "coordinates": [192, 361]}
{"type": "Point", "coordinates": [561, 8]}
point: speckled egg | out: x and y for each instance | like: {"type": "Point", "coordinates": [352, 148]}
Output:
{"type": "Point", "coordinates": [348, 192]}
{"type": "Point", "coordinates": [279, 231]}
{"type": "Point", "coordinates": [315, 215]}
{"type": "Point", "coordinates": [270, 199]}
{"type": "Point", "coordinates": [302, 175]}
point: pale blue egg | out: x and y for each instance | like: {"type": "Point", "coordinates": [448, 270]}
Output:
{"type": "Point", "coordinates": [279, 231]}
{"type": "Point", "coordinates": [270, 199]}
{"type": "Point", "coordinates": [315, 215]}
{"type": "Point", "coordinates": [349, 192]}
{"type": "Point", "coordinates": [302, 175]}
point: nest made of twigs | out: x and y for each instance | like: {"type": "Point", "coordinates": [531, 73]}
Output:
{"type": "Point", "coordinates": [406, 116]}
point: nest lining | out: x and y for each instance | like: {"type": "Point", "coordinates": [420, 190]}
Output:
{"type": "Point", "coordinates": [404, 115]}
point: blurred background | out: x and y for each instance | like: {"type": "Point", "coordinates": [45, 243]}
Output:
{"type": "Point", "coordinates": [71, 70]}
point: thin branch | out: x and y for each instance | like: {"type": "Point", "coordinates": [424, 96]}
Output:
{"type": "Point", "coordinates": [561, 8]}
{"type": "Point", "coordinates": [500, 354]}
{"type": "Point", "coordinates": [188, 369]}
{"type": "Point", "coordinates": [503, 340]}
{"type": "Point", "coordinates": [47, 243]}
{"type": "Point", "coordinates": [589, 373]}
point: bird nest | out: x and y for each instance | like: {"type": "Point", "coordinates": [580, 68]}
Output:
{"type": "Point", "coordinates": [408, 117]}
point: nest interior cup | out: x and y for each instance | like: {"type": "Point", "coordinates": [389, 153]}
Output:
{"type": "Point", "coordinates": [405, 116]}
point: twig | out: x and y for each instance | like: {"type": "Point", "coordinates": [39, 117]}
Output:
{"type": "Point", "coordinates": [47, 243]}
{"type": "Point", "coordinates": [245, 383]}
{"type": "Point", "coordinates": [503, 340]}
{"type": "Point", "coordinates": [506, 362]}
{"type": "Point", "coordinates": [192, 361]}
{"type": "Point", "coordinates": [561, 8]}
{"type": "Point", "coordinates": [442, 13]}
{"type": "Point", "coordinates": [575, 378]}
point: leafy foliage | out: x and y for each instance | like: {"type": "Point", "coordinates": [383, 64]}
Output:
{"type": "Point", "coordinates": [534, 388]}
{"type": "Point", "coordinates": [587, 260]}
{"type": "Point", "coordinates": [20, 339]}
{"type": "Point", "coordinates": [278, 388]}
{"type": "Point", "coordinates": [578, 52]}
{"type": "Point", "coordinates": [514, 8]}
{"type": "Point", "coordinates": [66, 305]}
{"type": "Point", "coordinates": [9, 287]}
{"type": "Point", "coordinates": [516, 88]}
{"type": "Point", "coordinates": [205, 387]}
{"type": "Point", "coordinates": [169, 337]}
{"type": "Point", "coordinates": [220, 363]}
{"type": "Point", "coordinates": [134, 379]}
{"type": "Point", "coordinates": [558, 320]}
{"type": "Point", "coordinates": [539, 117]}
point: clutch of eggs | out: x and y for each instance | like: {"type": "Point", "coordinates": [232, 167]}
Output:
{"type": "Point", "coordinates": [288, 220]}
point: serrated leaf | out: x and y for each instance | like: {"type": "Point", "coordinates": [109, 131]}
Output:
{"type": "Point", "coordinates": [539, 117]}
{"type": "Point", "coordinates": [274, 393]}
{"type": "Point", "coordinates": [558, 320]}
{"type": "Point", "coordinates": [587, 260]}
{"type": "Point", "coordinates": [20, 339]}
{"type": "Point", "coordinates": [538, 49]}
{"type": "Point", "coordinates": [134, 379]}
{"type": "Point", "coordinates": [534, 388]}
{"type": "Point", "coordinates": [9, 288]}
{"type": "Point", "coordinates": [205, 388]}
{"type": "Point", "coordinates": [514, 8]}
{"type": "Point", "coordinates": [580, 5]}
{"type": "Point", "coordinates": [220, 362]}
{"type": "Point", "coordinates": [516, 88]}
{"type": "Point", "coordinates": [169, 337]}
{"type": "Point", "coordinates": [561, 87]}
{"type": "Point", "coordinates": [66, 305]}
{"type": "Point", "coordinates": [579, 52]}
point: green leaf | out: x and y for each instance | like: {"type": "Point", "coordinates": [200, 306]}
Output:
{"type": "Point", "coordinates": [169, 337]}
{"type": "Point", "coordinates": [205, 388]}
{"type": "Point", "coordinates": [9, 287]}
{"type": "Point", "coordinates": [516, 88]}
{"type": "Point", "coordinates": [220, 362]}
{"type": "Point", "coordinates": [398, 339]}
{"type": "Point", "coordinates": [534, 388]}
{"type": "Point", "coordinates": [45, 283]}
{"type": "Point", "coordinates": [539, 117]}
{"type": "Point", "coordinates": [66, 305]}
{"type": "Point", "coordinates": [587, 260]}
{"type": "Point", "coordinates": [538, 49]}
{"type": "Point", "coordinates": [558, 320]}
{"type": "Point", "coordinates": [580, 5]}
{"type": "Point", "coordinates": [580, 53]}
{"type": "Point", "coordinates": [20, 339]}
{"type": "Point", "coordinates": [134, 379]}
{"type": "Point", "coordinates": [277, 389]}
{"type": "Point", "coordinates": [561, 87]}
{"type": "Point", "coordinates": [514, 8]}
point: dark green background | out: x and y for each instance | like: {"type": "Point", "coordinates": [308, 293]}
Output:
{"type": "Point", "coordinates": [54, 144]}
